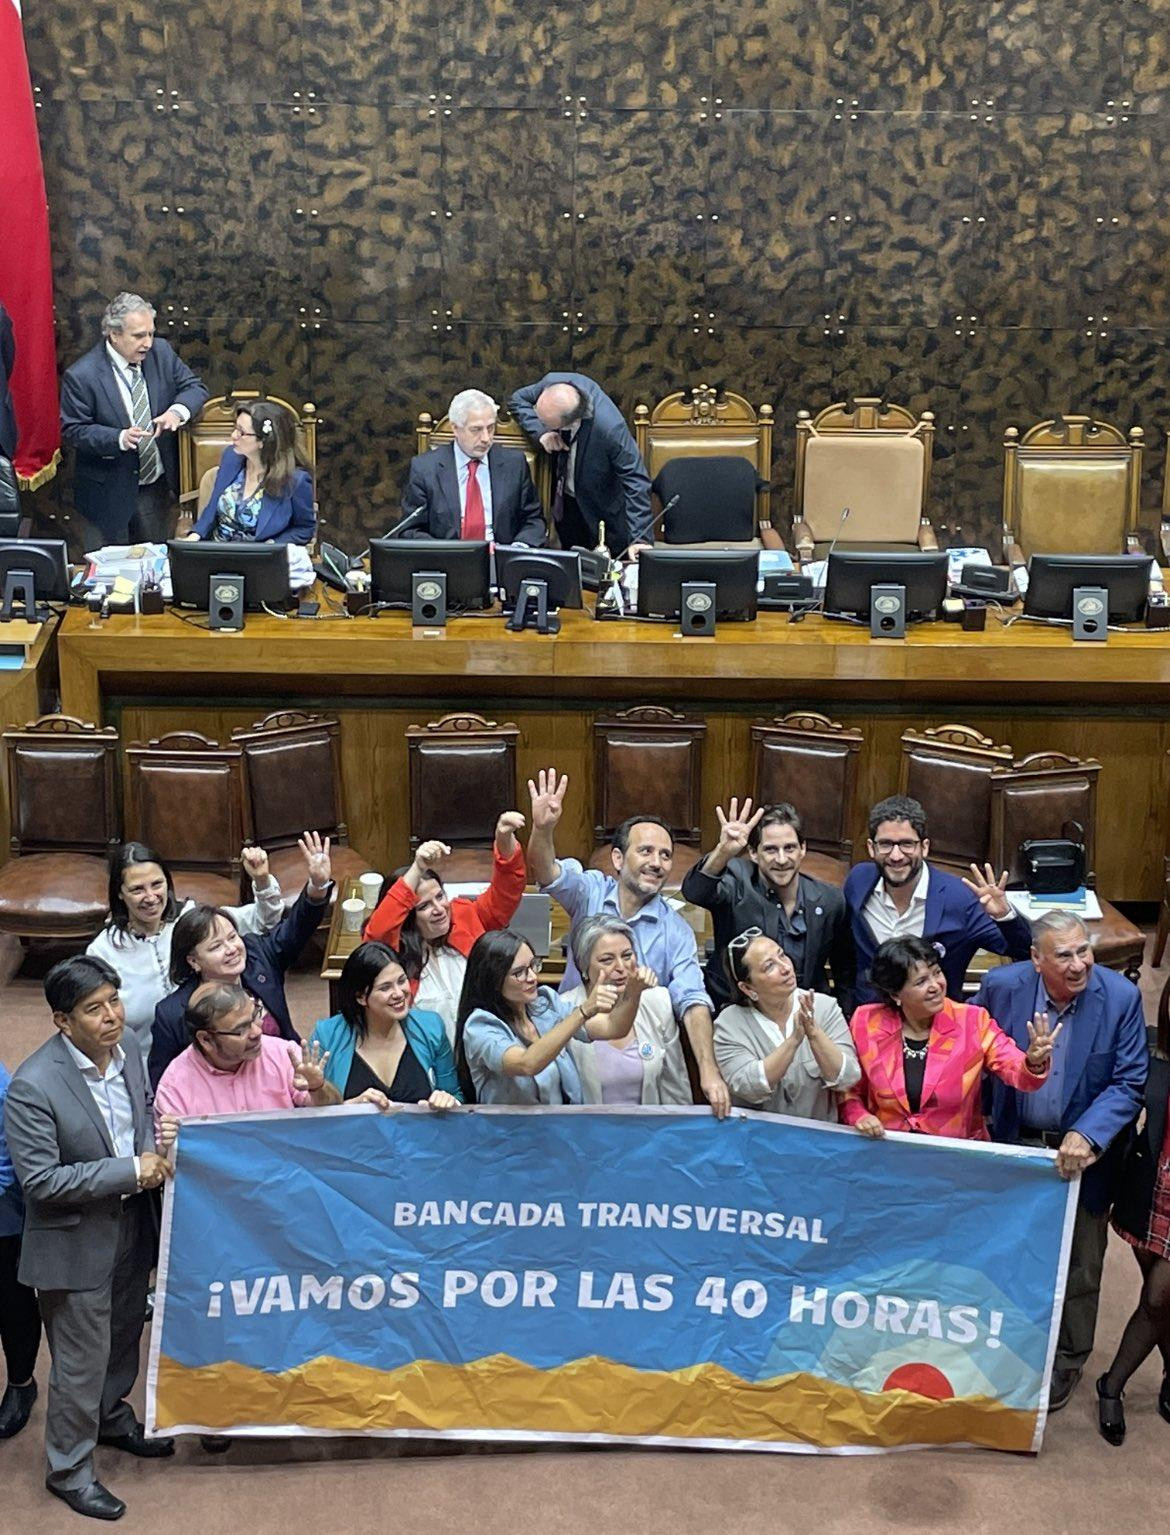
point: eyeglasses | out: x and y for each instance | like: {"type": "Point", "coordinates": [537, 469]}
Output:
{"type": "Point", "coordinates": [741, 940]}
{"type": "Point", "coordinates": [902, 845]}
{"type": "Point", "coordinates": [242, 1028]}
{"type": "Point", "coordinates": [236, 432]}
{"type": "Point", "coordinates": [522, 972]}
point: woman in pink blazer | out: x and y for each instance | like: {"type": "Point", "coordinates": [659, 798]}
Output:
{"type": "Point", "coordinates": [923, 1056]}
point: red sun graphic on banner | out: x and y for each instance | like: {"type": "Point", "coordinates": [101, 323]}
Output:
{"type": "Point", "coordinates": [922, 1379]}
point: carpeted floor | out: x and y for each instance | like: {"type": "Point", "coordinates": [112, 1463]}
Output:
{"type": "Point", "coordinates": [1078, 1483]}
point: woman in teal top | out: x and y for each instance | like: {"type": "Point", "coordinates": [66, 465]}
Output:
{"type": "Point", "coordinates": [378, 1040]}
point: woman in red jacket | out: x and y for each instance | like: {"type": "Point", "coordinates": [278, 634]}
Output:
{"type": "Point", "coordinates": [432, 933]}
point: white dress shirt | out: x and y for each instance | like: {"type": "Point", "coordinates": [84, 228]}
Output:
{"type": "Point", "coordinates": [440, 984]}
{"type": "Point", "coordinates": [112, 1098]}
{"type": "Point", "coordinates": [125, 382]}
{"type": "Point", "coordinates": [483, 480]}
{"type": "Point", "coordinates": [886, 921]}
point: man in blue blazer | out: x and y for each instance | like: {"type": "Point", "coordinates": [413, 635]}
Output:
{"type": "Point", "coordinates": [1091, 1094]}
{"type": "Point", "coordinates": [900, 895]}
{"type": "Point", "coordinates": [599, 472]}
{"type": "Point", "coordinates": [121, 405]}
{"type": "Point", "coordinates": [439, 483]}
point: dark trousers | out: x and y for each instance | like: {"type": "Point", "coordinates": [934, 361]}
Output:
{"type": "Point", "coordinates": [151, 522]}
{"type": "Point", "coordinates": [1078, 1321]}
{"type": "Point", "coordinates": [20, 1321]}
{"type": "Point", "coordinates": [574, 532]}
{"type": "Point", "coordinates": [94, 1338]}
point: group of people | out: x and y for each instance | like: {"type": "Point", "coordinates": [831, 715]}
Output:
{"type": "Point", "coordinates": [840, 1005]}
{"type": "Point", "coordinates": [124, 400]}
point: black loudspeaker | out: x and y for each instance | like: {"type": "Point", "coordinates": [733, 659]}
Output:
{"type": "Point", "coordinates": [531, 609]}
{"type": "Point", "coordinates": [1090, 610]}
{"type": "Point", "coordinates": [428, 599]}
{"type": "Point", "coordinates": [225, 602]}
{"type": "Point", "coordinates": [696, 608]}
{"type": "Point", "coordinates": [887, 612]}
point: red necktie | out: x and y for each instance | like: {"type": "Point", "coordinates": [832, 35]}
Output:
{"type": "Point", "coordinates": [473, 523]}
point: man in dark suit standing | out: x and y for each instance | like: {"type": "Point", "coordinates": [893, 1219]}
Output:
{"type": "Point", "coordinates": [600, 476]}
{"type": "Point", "coordinates": [121, 405]}
{"type": "Point", "coordinates": [752, 878]}
{"type": "Point", "coordinates": [78, 1125]}
{"type": "Point", "coordinates": [459, 499]}
{"type": "Point", "coordinates": [8, 431]}
{"type": "Point", "coordinates": [1092, 1093]}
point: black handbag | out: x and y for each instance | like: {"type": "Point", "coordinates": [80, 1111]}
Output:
{"type": "Point", "coordinates": [9, 487]}
{"type": "Point", "coordinates": [1054, 865]}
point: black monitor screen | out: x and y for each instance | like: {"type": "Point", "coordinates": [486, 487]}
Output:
{"type": "Point", "coordinates": [44, 558]}
{"type": "Point", "coordinates": [662, 572]}
{"type": "Point", "coordinates": [561, 568]}
{"type": "Point", "coordinates": [1052, 579]}
{"type": "Point", "coordinates": [394, 563]}
{"type": "Point", "coordinates": [853, 573]}
{"type": "Point", "coordinates": [264, 568]}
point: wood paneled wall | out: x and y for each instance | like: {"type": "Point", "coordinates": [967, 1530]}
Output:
{"type": "Point", "coordinates": [370, 205]}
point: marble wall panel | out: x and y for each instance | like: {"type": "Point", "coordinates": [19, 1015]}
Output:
{"type": "Point", "coordinates": [780, 55]}
{"type": "Point", "coordinates": [369, 53]}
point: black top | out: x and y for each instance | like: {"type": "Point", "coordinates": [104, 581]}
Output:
{"type": "Point", "coordinates": [411, 1083]}
{"type": "Point", "coordinates": [914, 1068]}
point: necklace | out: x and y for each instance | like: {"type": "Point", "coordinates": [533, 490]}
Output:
{"type": "Point", "coordinates": [915, 1052]}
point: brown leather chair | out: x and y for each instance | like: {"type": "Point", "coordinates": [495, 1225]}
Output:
{"type": "Point", "coordinates": [810, 761]}
{"type": "Point", "coordinates": [1044, 795]}
{"type": "Point", "coordinates": [292, 773]}
{"type": "Point", "coordinates": [462, 771]}
{"type": "Point", "coordinates": [62, 790]}
{"type": "Point", "coordinates": [949, 770]}
{"type": "Point", "coordinates": [648, 761]}
{"type": "Point", "coordinates": [186, 800]}
{"type": "Point", "coordinates": [1071, 485]}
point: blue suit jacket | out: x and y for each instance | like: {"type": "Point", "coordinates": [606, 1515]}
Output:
{"type": "Point", "coordinates": [287, 519]}
{"type": "Point", "coordinates": [105, 479]}
{"type": "Point", "coordinates": [1107, 1061]}
{"type": "Point", "coordinates": [610, 480]}
{"type": "Point", "coordinates": [955, 923]}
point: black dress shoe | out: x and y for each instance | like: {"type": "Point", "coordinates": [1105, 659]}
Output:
{"type": "Point", "coordinates": [136, 1443]}
{"type": "Point", "coordinates": [94, 1501]}
{"type": "Point", "coordinates": [1110, 1415]}
{"type": "Point", "coordinates": [1164, 1397]}
{"type": "Point", "coordinates": [15, 1407]}
{"type": "Point", "coordinates": [1062, 1386]}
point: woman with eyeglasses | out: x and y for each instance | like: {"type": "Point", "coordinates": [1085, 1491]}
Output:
{"type": "Point", "coordinates": [923, 1056]}
{"type": "Point", "coordinates": [261, 493]}
{"type": "Point", "coordinates": [781, 1049]}
{"type": "Point", "coordinates": [377, 1039]}
{"type": "Point", "coordinates": [512, 1034]}
{"type": "Point", "coordinates": [645, 1064]}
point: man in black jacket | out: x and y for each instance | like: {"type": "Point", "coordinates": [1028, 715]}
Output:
{"type": "Point", "coordinates": [766, 890]}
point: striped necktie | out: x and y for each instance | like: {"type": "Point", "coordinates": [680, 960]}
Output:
{"type": "Point", "coordinates": [149, 459]}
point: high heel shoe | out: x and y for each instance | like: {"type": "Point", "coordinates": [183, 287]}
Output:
{"type": "Point", "coordinates": [1164, 1397]}
{"type": "Point", "coordinates": [1110, 1415]}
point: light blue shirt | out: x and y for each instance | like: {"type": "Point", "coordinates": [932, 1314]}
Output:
{"type": "Point", "coordinates": [662, 939]}
{"type": "Point", "coordinates": [112, 1097]}
{"type": "Point", "coordinates": [483, 479]}
{"type": "Point", "coordinates": [487, 1039]}
{"type": "Point", "coordinates": [1044, 1109]}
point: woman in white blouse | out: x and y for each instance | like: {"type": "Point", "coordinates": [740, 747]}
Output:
{"type": "Point", "coordinates": [143, 911]}
{"type": "Point", "coordinates": [780, 1049]}
{"type": "Point", "coordinates": [645, 1065]}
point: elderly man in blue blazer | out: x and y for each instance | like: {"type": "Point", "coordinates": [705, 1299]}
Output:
{"type": "Point", "coordinates": [600, 476]}
{"type": "Point", "coordinates": [1092, 1093]}
{"type": "Point", "coordinates": [121, 405]}
{"type": "Point", "coordinates": [899, 894]}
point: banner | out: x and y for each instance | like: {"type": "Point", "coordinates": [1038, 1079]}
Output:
{"type": "Point", "coordinates": [606, 1275]}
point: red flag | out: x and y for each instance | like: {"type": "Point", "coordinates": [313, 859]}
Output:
{"type": "Point", "coordinates": [26, 275]}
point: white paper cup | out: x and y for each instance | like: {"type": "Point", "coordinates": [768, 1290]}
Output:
{"type": "Point", "coordinates": [370, 885]}
{"type": "Point", "coordinates": [353, 915]}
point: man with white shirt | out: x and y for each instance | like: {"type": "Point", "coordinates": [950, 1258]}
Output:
{"type": "Point", "coordinates": [899, 895]}
{"type": "Point", "coordinates": [77, 1121]}
{"type": "Point", "coordinates": [121, 405]}
{"type": "Point", "coordinates": [470, 488]}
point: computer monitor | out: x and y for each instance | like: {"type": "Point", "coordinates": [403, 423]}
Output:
{"type": "Point", "coordinates": [33, 571]}
{"type": "Point", "coordinates": [1052, 579]}
{"type": "Point", "coordinates": [264, 568]}
{"type": "Point", "coordinates": [662, 572]}
{"type": "Point", "coordinates": [560, 568]}
{"type": "Point", "coordinates": [853, 573]}
{"type": "Point", "coordinates": [394, 563]}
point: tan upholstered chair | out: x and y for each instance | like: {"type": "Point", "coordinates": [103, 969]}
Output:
{"type": "Point", "coordinates": [62, 790]}
{"type": "Point", "coordinates": [186, 800]}
{"type": "Point", "coordinates": [707, 422]}
{"type": "Point", "coordinates": [810, 762]}
{"type": "Point", "coordinates": [872, 458]}
{"type": "Point", "coordinates": [431, 433]}
{"type": "Point", "coordinates": [1071, 485]}
{"type": "Point", "coordinates": [648, 760]}
{"type": "Point", "coordinates": [202, 443]}
{"type": "Point", "coordinates": [950, 770]}
{"type": "Point", "coordinates": [462, 771]}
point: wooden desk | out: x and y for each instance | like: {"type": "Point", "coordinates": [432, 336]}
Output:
{"type": "Point", "coordinates": [1029, 686]}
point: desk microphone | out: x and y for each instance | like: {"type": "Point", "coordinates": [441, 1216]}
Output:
{"type": "Point", "coordinates": [818, 606]}
{"type": "Point", "coordinates": [411, 520]}
{"type": "Point", "coordinates": [661, 518]}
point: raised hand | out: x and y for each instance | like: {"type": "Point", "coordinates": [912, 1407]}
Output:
{"type": "Point", "coordinates": [308, 1066]}
{"type": "Point", "coordinates": [255, 861]}
{"type": "Point", "coordinates": [1041, 1039]}
{"type": "Point", "coordinates": [316, 855]}
{"type": "Point", "coordinates": [603, 998]}
{"type": "Point", "coordinates": [989, 891]}
{"type": "Point", "coordinates": [736, 827]}
{"type": "Point", "coordinates": [643, 979]}
{"type": "Point", "coordinates": [548, 798]}
{"type": "Point", "coordinates": [508, 828]}
{"type": "Point", "coordinates": [871, 1127]}
{"type": "Point", "coordinates": [430, 856]}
